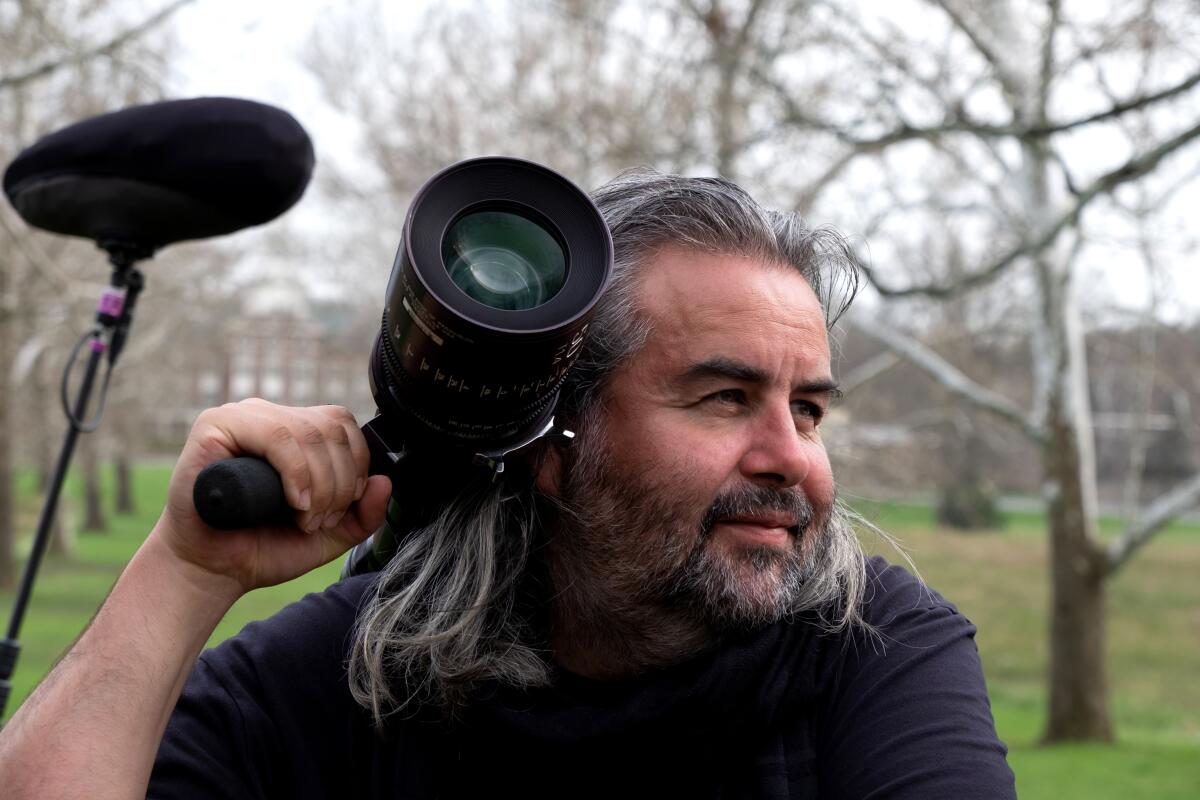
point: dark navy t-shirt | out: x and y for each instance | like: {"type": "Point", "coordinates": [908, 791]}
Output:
{"type": "Point", "coordinates": [786, 711]}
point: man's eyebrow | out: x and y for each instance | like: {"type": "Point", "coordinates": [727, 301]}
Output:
{"type": "Point", "coordinates": [826, 387]}
{"type": "Point", "coordinates": [731, 368]}
{"type": "Point", "coordinates": [721, 367]}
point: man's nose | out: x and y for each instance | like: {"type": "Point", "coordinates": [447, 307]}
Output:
{"type": "Point", "coordinates": [777, 455]}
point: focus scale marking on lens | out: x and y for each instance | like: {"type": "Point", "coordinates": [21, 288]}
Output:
{"type": "Point", "coordinates": [420, 324]}
{"type": "Point", "coordinates": [570, 349]}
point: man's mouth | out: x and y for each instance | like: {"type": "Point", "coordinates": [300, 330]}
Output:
{"type": "Point", "coordinates": [768, 519]}
{"type": "Point", "coordinates": [760, 516]}
{"type": "Point", "coordinates": [767, 527]}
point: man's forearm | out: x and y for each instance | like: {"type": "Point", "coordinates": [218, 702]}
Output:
{"type": "Point", "coordinates": [92, 728]}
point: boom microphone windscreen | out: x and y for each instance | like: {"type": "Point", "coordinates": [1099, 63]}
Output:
{"type": "Point", "coordinates": [155, 174]}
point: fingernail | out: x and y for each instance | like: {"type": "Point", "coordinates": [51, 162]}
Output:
{"type": "Point", "coordinates": [314, 524]}
{"type": "Point", "coordinates": [359, 486]}
{"type": "Point", "coordinates": [332, 520]}
{"type": "Point", "coordinates": [305, 499]}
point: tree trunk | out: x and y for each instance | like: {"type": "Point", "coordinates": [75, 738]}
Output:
{"type": "Point", "coordinates": [1078, 690]}
{"type": "Point", "coordinates": [8, 570]}
{"type": "Point", "coordinates": [45, 467]}
{"type": "Point", "coordinates": [62, 530]}
{"type": "Point", "coordinates": [8, 565]}
{"type": "Point", "coordinates": [966, 501]}
{"type": "Point", "coordinates": [1078, 680]}
{"type": "Point", "coordinates": [93, 508]}
{"type": "Point", "coordinates": [123, 480]}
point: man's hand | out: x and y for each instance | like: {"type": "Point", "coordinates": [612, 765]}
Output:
{"type": "Point", "coordinates": [92, 727]}
{"type": "Point", "coordinates": [321, 457]}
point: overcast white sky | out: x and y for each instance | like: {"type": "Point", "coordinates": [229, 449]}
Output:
{"type": "Point", "coordinates": [252, 48]}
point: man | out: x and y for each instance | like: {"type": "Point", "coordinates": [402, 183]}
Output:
{"type": "Point", "coordinates": [674, 607]}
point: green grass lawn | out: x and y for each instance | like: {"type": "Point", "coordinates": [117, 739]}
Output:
{"type": "Point", "coordinates": [997, 578]}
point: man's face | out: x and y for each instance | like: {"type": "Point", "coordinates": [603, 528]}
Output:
{"type": "Point", "coordinates": [703, 482]}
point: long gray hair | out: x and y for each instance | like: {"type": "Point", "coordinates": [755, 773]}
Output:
{"type": "Point", "coordinates": [448, 613]}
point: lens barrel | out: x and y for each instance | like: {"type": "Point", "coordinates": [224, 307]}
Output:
{"type": "Point", "coordinates": [499, 267]}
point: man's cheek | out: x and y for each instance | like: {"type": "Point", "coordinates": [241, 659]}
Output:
{"type": "Point", "coordinates": [819, 485]}
{"type": "Point", "coordinates": [674, 458]}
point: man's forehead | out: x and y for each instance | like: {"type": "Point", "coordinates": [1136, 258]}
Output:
{"type": "Point", "coordinates": [686, 287]}
{"type": "Point", "coordinates": [701, 303]}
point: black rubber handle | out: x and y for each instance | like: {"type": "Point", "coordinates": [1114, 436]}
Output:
{"type": "Point", "coordinates": [240, 493]}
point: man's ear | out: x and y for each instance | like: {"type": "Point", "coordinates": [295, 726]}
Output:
{"type": "Point", "coordinates": [548, 478]}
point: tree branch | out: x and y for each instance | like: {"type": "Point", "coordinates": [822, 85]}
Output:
{"type": "Point", "coordinates": [807, 196]}
{"type": "Point", "coordinates": [1131, 170]}
{"type": "Point", "coordinates": [1011, 85]}
{"type": "Point", "coordinates": [106, 49]}
{"type": "Point", "coordinates": [1153, 519]}
{"type": "Point", "coordinates": [1046, 73]}
{"type": "Point", "coordinates": [959, 123]}
{"type": "Point", "coordinates": [952, 378]}
{"type": "Point", "coordinates": [743, 33]}
{"type": "Point", "coordinates": [1119, 109]}
{"type": "Point", "coordinates": [877, 48]}
{"type": "Point", "coordinates": [868, 371]}
{"type": "Point", "coordinates": [1138, 166]}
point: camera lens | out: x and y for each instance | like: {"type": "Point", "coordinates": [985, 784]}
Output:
{"type": "Point", "coordinates": [504, 260]}
{"type": "Point", "coordinates": [491, 294]}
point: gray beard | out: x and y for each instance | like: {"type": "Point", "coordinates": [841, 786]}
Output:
{"type": "Point", "coordinates": [631, 553]}
{"type": "Point", "coordinates": [751, 585]}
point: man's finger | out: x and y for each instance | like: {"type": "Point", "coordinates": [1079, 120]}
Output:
{"type": "Point", "coordinates": [320, 467]}
{"type": "Point", "coordinates": [243, 429]}
{"type": "Point", "coordinates": [365, 516]}
{"type": "Point", "coordinates": [345, 470]}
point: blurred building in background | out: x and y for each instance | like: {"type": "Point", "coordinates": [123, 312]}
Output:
{"type": "Point", "coordinates": [276, 343]}
{"type": "Point", "coordinates": [900, 433]}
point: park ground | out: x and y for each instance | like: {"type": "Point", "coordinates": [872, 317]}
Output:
{"type": "Point", "coordinates": [997, 578]}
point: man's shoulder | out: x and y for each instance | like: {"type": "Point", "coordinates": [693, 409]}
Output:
{"type": "Point", "coordinates": [892, 592]}
{"type": "Point", "coordinates": [907, 703]}
{"type": "Point", "coordinates": [898, 612]}
{"type": "Point", "coordinates": [314, 630]}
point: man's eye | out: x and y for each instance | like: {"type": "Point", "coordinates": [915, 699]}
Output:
{"type": "Point", "coordinates": [727, 397]}
{"type": "Point", "coordinates": [807, 410]}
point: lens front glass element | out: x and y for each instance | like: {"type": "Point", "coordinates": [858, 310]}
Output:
{"type": "Point", "coordinates": [504, 260]}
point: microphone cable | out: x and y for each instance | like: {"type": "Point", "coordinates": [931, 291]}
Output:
{"type": "Point", "coordinates": [95, 336]}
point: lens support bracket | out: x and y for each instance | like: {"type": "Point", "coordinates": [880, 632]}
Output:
{"type": "Point", "coordinates": [387, 455]}
{"type": "Point", "coordinates": [494, 459]}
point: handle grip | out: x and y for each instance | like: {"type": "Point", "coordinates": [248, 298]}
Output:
{"type": "Point", "coordinates": [243, 492]}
